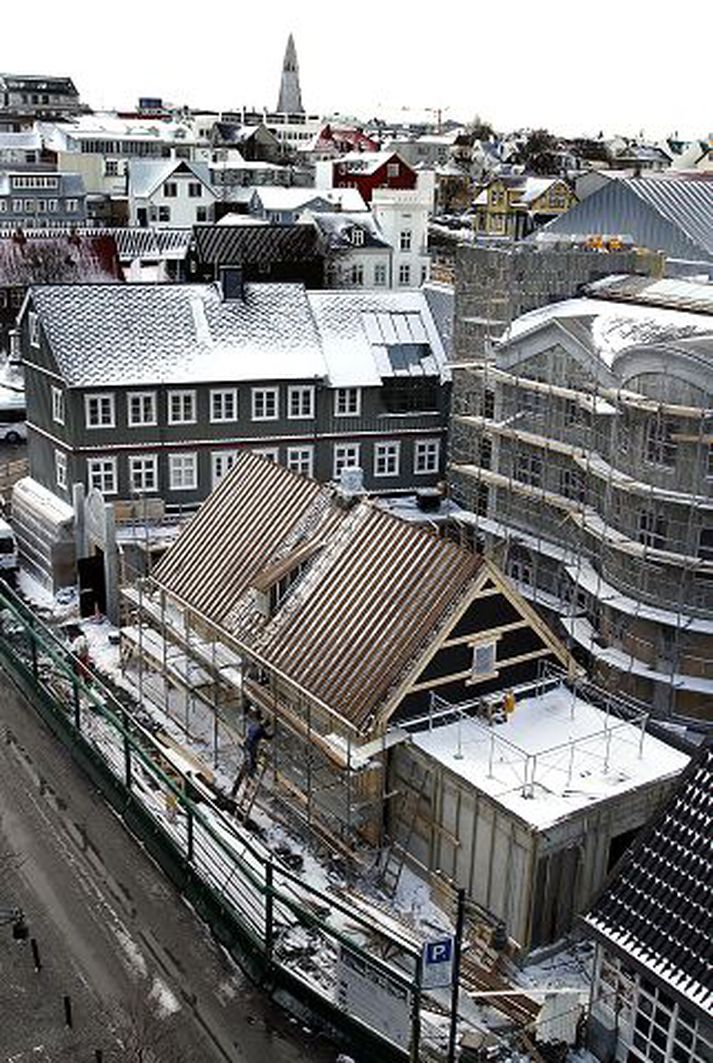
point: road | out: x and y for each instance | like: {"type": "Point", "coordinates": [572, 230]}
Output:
{"type": "Point", "coordinates": [112, 933]}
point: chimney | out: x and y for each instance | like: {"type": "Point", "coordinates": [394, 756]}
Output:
{"type": "Point", "coordinates": [350, 487]}
{"type": "Point", "coordinates": [231, 283]}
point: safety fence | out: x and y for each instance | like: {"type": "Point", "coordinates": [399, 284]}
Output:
{"type": "Point", "coordinates": [342, 961]}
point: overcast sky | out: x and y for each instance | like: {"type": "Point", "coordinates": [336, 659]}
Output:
{"type": "Point", "coordinates": [612, 65]}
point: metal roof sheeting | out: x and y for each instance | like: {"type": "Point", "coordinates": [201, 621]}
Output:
{"type": "Point", "coordinates": [231, 245]}
{"type": "Point", "coordinates": [674, 215]}
{"type": "Point", "coordinates": [371, 596]}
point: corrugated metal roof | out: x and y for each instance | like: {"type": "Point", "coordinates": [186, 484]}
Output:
{"type": "Point", "coordinates": [674, 215]}
{"type": "Point", "coordinates": [223, 245]}
{"type": "Point", "coordinates": [369, 599]}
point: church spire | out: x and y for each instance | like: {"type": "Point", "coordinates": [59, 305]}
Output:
{"type": "Point", "coordinates": [290, 95]}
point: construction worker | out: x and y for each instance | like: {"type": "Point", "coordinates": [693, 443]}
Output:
{"type": "Point", "coordinates": [80, 651]}
{"type": "Point", "coordinates": [509, 703]}
{"type": "Point", "coordinates": [258, 730]}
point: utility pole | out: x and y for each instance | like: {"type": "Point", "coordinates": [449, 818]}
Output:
{"type": "Point", "coordinates": [455, 978]}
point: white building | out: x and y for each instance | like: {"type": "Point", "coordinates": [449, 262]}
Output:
{"type": "Point", "coordinates": [170, 194]}
{"type": "Point", "coordinates": [402, 217]}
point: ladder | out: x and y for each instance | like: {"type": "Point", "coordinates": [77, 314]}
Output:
{"type": "Point", "coordinates": [245, 801]}
{"type": "Point", "coordinates": [397, 852]}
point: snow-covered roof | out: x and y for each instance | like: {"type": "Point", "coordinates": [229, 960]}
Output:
{"type": "Point", "coordinates": [146, 175]}
{"type": "Point", "coordinates": [609, 328]}
{"type": "Point", "coordinates": [358, 328]}
{"type": "Point", "coordinates": [69, 184]}
{"type": "Point", "coordinates": [108, 335]}
{"type": "Point", "coordinates": [276, 197]}
{"type": "Point", "coordinates": [26, 140]}
{"type": "Point", "coordinates": [115, 335]}
{"type": "Point", "coordinates": [338, 227]}
{"type": "Point", "coordinates": [365, 162]}
{"type": "Point", "coordinates": [560, 728]}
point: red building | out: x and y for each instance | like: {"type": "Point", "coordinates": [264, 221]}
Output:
{"type": "Point", "coordinates": [372, 169]}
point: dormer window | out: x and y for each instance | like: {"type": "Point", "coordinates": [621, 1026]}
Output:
{"type": "Point", "coordinates": [357, 237]}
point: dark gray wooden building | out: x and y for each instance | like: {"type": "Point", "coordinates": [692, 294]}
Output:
{"type": "Point", "coordinates": [151, 391]}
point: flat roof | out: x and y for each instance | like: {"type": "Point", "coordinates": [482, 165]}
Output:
{"type": "Point", "coordinates": [556, 754]}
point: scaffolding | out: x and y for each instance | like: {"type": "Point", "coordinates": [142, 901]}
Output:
{"type": "Point", "coordinates": [597, 499]}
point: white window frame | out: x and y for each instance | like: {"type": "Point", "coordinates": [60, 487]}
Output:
{"type": "Point", "coordinates": [60, 469]}
{"type": "Point", "coordinates": [33, 324]}
{"type": "Point", "coordinates": [380, 275]}
{"type": "Point", "coordinates": [392, 169]}
{"type": "Point", "coordinates": [405, 275]}
{"type": "Point", "coordinates": [386, 453]}
{"type": "Point", "coordinates": [339, 456]}
{"type": "Point", "coordinates": [296, 395]}
{"type": "Point", "coordinates": [71, 206]}
{"type": "Point", "coordinates": [105, 472]}
{"type": "Point", "coordinates": [423, 449]}
{"type": "Point", "coordinates": [217, 400]}
{"type": "Point", "coordinates": [301, 460]}
{"type": "Point", "coordinates": [183, 470]}
{"type": "Point", "coordinates": [100, 397]}
{"type": "Point", "coordinates": [58, 409]}
{"type": "Point", "coordinates": [217, 458]}
{"type": "Point", "coordinates": [182, 395]}
{"type": "Point", "coordinates": [142, 397]}
{"type": "Point", "coordinates": [258, 397]}
{"type": "Point", "coordinates": [347, 394]}
{"type": "Point", "coordinates": [405, 239]}
{"type": "Point", "coordinates": [272, 453]}
{"type": "Point", "coordinates": [477, 672]}
{"type": "Point", "coordinates": [146, 461]}
{"type": "Point", "coordinates": [356, 275]}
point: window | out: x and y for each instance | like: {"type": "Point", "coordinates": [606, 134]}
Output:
{"type": "Point", "coordinates": [357, 237]}
{"type": "Point", "coordinates": [404, 274]}
{"type": "Point", "coordinates": [195, 190]}
{"type": "Point", "coordinates": [357, 275]}
{"type": "Point", "coordinates": [660, 447]}
{"type": "Point", "coordinates": [392, 169]}
{"type": "Point", "coordinates": [71, 206]}
{"type": "Point", "coordinates": [347, 402]}
{"type": "Point", "coordinates": [201, 214]}
{"type": "Point", "coordinates": [709, 462]}
{"type": "Point", "coordinates": [29, 206]}
{"type": "Point", "coordinates": [386, 458]}
{"type": "Point", "coordinates": [221, 461]}
{"type": "Point", "coordinates": [58, 405]}
{"type": "Point", "coordinates": [101, 473]}
{"type": "Point", "coordinates": [488, 404]}
{"type": "Point", "coordinates": [181, 407]}
{"type": "Point", "coordinates": [300, 402]}
{"type": "Point", "coordinates": [483, 660]}
{"type": "Point", "coordinates": [528, 469]}
{"type": "Point", "coordinates": [17, 206]}
{"type": "Point", "coordinates": [41, 206]}
{"type": "Point", "coordinates": [34, 328]}
{"type": "Point", "coordinates": [111, 167]}
{"type": "Point", "coordinates": [3, 206]}
{"type": "Point", "coordinates": [572, 485]}
{"type": "Point", "coordinates": [379, 275]}
{"type": "Point", "coordinates": [52, 205]}
{"type": "Point", "coordinates": [652, 529]}
{"type": "Point", "coordinates": [223, 405]}
{"type": "Point", "coordinates": [143, 473]}
{"type": "Point", "coordinates": [99, 411]}
{"type": "Point", "coordinates": [427, 454]}
{"type": "Point", "coordinates": [405, 240]}
{"type": "Point", "coordinates": [164, 214]}
{"type": "Point", "coordinates": [301, 460]}
{"type": "Point", "coordinates": [141, 407]}
{"type": "Point", "coordinates": [705, 544]}
{"type": "Point", "coordinates": [265, 404]}
{"type": "Point", "coordinates": [183, 471]}
{"type": "Point", "coordinates": [410, 394]}
{"type": "Point", "coordinates": [346, 456]}
{"type": "Point", "coordinates": [170, 189]}
{"type": "Point", "coordinates": [60, 468]}
{"type": "Point", "coordinates": [271, 453]}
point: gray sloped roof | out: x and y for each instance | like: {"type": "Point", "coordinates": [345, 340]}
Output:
{"type": "Point", "coordinates": [104, 335]}
{"type": "Point", "coordinates": [235, 244]}
{"type": "Point", "coordinates": [337, 228]}
{"type": "Point", "coordinates": [145, 175]}
{"type": "Point", "coordinates": [674, 215]}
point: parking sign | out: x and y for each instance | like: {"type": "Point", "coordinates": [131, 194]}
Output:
{"type": "Point", "coordinates": [437, 963]}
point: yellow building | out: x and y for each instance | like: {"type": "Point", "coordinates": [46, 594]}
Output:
{"type": "Point", "coordinates": [515, 206]}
